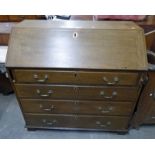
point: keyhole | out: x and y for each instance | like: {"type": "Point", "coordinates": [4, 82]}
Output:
{"type": "Point", "coordinates": [75, 35]}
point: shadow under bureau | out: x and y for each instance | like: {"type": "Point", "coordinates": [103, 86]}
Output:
{"type": "Point", "coordinates": [77, 74]}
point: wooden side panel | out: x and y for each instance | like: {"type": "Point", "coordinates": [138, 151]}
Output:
{"type": "Point", "coordinates": [146, 102]}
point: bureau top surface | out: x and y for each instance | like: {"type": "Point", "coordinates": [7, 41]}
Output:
{"type": "Point", "coordinates": [77, 45]}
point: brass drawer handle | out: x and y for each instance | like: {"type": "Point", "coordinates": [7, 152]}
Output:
{"type": "Point", "coordinates": [47, 109]}
{"type": "Point", "coordinates": [44, 95]}
{"type": "Point", "coordinates": [49, 123]}
{"type": "Point", "coordinates": [109, 109]}
{"type": "Point", "coordinates": [35, 76]}
{"type": "Point", "coordinates": [115, 80]}
{"type": "Point", "coordinates": [114, 93]}
{"type": "Point", "coordinates": [98, 123]}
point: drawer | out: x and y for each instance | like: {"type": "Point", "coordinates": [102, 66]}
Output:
{"type": "Point", "coordinates": [45, 91]}
{"type": "Point", "coordinates": [77, 121]}
{"type": "Point", "coordinates": [75, 77]}
{"type": "Point", "coordinates": [77, 92]}
{"type": "Point", "coordinates": [108, 93]}
{"type": "Point", "coordinates": [44, 76]}
{"type": "Point", "coordinates": [109, 78]}
{"type": "Point", "coordinates": [76, 107]}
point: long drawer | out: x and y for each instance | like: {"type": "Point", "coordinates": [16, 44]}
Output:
{"type": "Point", "coordinates": [76, 107]}
{"type": "Point", "coordinates": [76, 77]}
{"type": "Point", "coordinates": [77, 122]}
{"type": "Point", "coordinates": [77, 92]}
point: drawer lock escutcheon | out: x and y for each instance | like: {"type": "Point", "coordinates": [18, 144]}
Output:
{"type": "Point", "coordinates": [36, 77]}
{"type": "Point", "coordinates": [114, 93]}
{"type": "Point", "coordinates": [49, 93]}
{"type": "Point", "coordinates": [115, 80]}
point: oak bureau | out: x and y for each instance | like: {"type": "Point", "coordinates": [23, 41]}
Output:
{"type": "Point", "coordinates": [77, 74]}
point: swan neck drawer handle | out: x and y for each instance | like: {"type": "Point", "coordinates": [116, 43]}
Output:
{"type": "Point", "coordinates": [35, 76]}
{"type": "Point", "coordinates": [49, 93]}
{"type": "Point", "coordinates": [114, 93]}
{"type": "Point", "coordinates": [52, 107]}
{"type": "Point", "coordinates": [49, 123]}
{"type": "Point", "coordinates": [115, 80]}
{"type": "Point", "coordinates": [98, 123]}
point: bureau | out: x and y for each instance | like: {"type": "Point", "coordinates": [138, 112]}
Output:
{"type": "Point", "coordinates": [77, 74]}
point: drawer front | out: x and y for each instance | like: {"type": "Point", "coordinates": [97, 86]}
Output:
{"type": "Point", "coordinates": [77, 121]}
{"type": "Point", "coordinates": [108, 78]}
{"type": "Point", "coordinates": [77, 92]}
{"type": "Point", "coordinates": [108, 93]}
{"type": "Point", "coordinates": [44, 76]}
{"type": "Point", "coordinates": [42, 91]}
{"type": "Point", "coordinates": [76, 77]}
{"type": "Point", "coordinates": [76, 107]}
